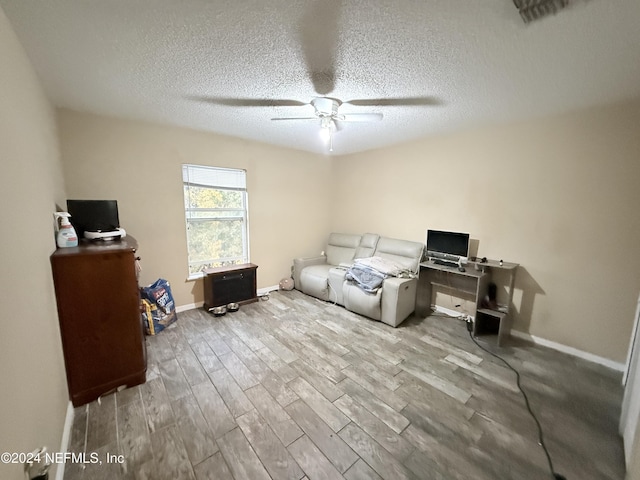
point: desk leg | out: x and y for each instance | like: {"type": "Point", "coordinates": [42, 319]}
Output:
{"type": "Point", "coordinates": [423, 294]}
{"type": "Point", "coordinates": [505, 330]}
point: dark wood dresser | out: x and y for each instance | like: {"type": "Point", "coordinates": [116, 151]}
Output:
{"type": "Point", "coordinates": [99, 312]}
{"type": "Point", "coordinates": [231, 284]}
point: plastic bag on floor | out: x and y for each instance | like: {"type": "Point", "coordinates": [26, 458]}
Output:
{"type": "Point", "coordinates": [157, 307]}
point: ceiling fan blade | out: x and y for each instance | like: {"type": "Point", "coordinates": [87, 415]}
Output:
{"type": "Point", "coordinates": [360, 117]}
{"type": "Point", "coordinates": [395, 102]}
{"type": "Point", "coordinates": [294, 118]}
{"type": "Point", "coordinates": [250, 102]}
{"type": "Point", "coordinates": [318, 34]}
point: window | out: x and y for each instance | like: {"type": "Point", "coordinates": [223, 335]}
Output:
{"type": "Point", "coordinates": [215, 207]}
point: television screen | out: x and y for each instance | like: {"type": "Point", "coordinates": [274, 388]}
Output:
{"type": "Point", "coordinates": [448, 243]}
{"type": "Point", "coordinates": [93, 215]}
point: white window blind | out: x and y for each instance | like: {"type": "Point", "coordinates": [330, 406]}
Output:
{"type": "Point", "coordinates": [228, 178]}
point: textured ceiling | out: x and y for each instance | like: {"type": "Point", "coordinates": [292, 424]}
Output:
{"type": "Point", "coordinates": [466, 62]}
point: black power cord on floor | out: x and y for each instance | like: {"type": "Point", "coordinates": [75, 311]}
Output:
{"type": "Point", "coordinates": [554, 475]}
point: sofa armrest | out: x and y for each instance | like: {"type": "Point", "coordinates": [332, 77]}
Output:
{"type": "Point", "coordinates": [398, 299]}
{"type": "Point", "coordinates": [300, 263]}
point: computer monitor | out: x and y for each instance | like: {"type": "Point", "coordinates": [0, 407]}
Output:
{"type": "Point", "coordinates": [93, 215]}
{"type": "Point", "coordinates": [443, 244]}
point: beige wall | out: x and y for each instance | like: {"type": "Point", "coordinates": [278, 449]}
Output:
{"type": "Point", "coordinates": [557, 196]}
{"type": "Point", "coordinates": [34, 395]}
{"type": "Point", "coordinates": [139, 165]}
{"type": "Point", "coordinates": [560, 196]}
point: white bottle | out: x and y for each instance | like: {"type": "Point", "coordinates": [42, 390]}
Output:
{"type": "Point", "coordinates": [66, 236]}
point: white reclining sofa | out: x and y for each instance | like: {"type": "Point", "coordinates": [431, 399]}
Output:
{"type": "Point", "coordinates": [325, 277]}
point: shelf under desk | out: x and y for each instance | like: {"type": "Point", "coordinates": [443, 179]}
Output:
{"type": "Point", "coordinates": [471, 281]}
{"type": "Point", "coordinates": [474, 281]}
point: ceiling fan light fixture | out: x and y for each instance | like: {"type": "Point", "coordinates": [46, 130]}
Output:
{"type": "Point", "coordinates": [326, 131]}
{"type": "Point", "coordinates": [325, 134]}
{"type": "Point", "coordinates": [326, 128]}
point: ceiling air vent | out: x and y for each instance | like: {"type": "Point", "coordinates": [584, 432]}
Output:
{"type": "Point", "coordinates": [531, 10]}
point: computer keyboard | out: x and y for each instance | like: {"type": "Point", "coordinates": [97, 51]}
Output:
{"type": "Point", "coordinates": [445, 263]}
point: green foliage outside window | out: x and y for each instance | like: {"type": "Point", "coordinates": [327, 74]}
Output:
{"type": "Point", "coordinates": [216, 227]}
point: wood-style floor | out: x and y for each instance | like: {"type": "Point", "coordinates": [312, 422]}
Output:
{"type": "Point", "coordinates": [294, 388]}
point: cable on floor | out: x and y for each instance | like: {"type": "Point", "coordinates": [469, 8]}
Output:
{"type": "Point", "coordinates": [554, 474]}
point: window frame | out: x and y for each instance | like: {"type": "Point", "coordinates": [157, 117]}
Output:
{"type": "Point", "coordinates": [190, 213]}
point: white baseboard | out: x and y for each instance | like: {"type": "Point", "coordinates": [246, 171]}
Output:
{"type": "Point", "coordinates": [548, 343]}
{"type": "Point", "coordinates": [569, 350]}
{"type": "Point", "coordinates": [66, 438]}
{"type": "Point", "coordinates": [266, 290]}
{"type": "Point", "coordinates": [189, 306]}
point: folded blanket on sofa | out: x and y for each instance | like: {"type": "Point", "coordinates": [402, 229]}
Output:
{"type": "Point", "coordinates": [385, 266]}
{"type": "Point", "coordinates": [367, 278]}
{"type": "Point", "coordinates": [369, 273]}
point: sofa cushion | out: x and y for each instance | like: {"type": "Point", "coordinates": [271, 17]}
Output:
{"type": "Point", "coordinates": [403, 252]}
{"type": "Point", "coordinates": [299, 264]}
{"type": "Point", "coordinates": [314, 281]}
{"type": "Point", "coordinates": [359, 301]}
{"type": "Point", "coordinates": [367, 245]}
{"type": "Point", "coordinates": [341, 248]}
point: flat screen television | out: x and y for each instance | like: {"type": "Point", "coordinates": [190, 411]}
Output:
{"type": "Point", "coordinates": [93, 215]}
{"type": "Point", "coordinates": [447, 245]}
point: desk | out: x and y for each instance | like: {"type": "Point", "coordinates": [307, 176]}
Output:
{"type": "Point", "coordinates": [473, 281]}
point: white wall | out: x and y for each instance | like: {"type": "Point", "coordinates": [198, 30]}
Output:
{"type": "Point", "coordinates": [34, 395]}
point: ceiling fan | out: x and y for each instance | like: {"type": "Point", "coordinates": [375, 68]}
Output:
{"type": "Point", "coordinates": [326, 110]}
{"type": "Point", "coordinates": [318, 32]}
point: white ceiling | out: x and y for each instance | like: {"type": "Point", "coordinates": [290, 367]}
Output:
{"type": "Point", "coordinates": [469, 62]}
